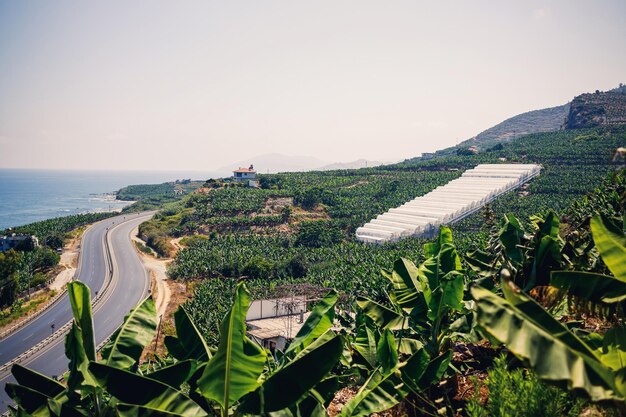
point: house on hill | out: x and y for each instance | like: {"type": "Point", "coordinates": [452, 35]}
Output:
{"type": "Point", "coordinates": [18, 241]}
{"type": "Point", "coordinates": [246, 175]}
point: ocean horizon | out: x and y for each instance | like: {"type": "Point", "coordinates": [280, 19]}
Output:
{"type": "Point", "coordinates": [30, 195]}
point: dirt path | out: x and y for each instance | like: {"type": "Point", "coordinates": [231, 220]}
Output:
{"type": "Point", "coordinates": [157, 270]}
{"type": "Point", "coordinates": [69, 261]}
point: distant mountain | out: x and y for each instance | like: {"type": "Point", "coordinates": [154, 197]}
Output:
{"type": "Point", "coordinates": [272, 163]}
{"type": "Point", "coordinates": [598, 109]}
{"type": "Point", "coordinates": [359, 163]}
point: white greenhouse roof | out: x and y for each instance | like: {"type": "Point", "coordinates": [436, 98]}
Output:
{"type": "Point", "coordinates": [447, 204]}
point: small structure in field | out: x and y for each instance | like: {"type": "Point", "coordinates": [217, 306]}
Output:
{"type": "Point", "coordinates": [274, 322]}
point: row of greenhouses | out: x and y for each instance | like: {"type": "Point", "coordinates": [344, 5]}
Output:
{"type": "Point", "coordinates": [446, 204]}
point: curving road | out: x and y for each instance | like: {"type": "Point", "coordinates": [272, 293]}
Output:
{"type": "Point", "coordinates": [129, 284]}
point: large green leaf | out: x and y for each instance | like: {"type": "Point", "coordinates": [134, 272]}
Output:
{"type": "Point", "coordinates": [611, 243]}
{"type": "Point", "coordinates": [31, 401]}
{"type": "Point", "coordinates": [236, 367]}
{"type": "Point", "coordinates": [189, 343]}
{"type": "Point", "coordinates": [384, 317]}
{"type": "Point", "coordinates": [79, 375]}
{"type": "Point", "coordinates": [433, 248]}
{"type": "Point", "coordinates": [380, 392]}
{"type": "Point", "coordinates": [387, 352]}
{"type": "Point", "coordinates": [406, 287]}
{"type": "Point", "coordinates": [36, 381]}
{"type": "Point", "coordinates": [141, 391]}
{"type": "Point", "coordinates": [419, 372]}
{"type": "Point", "coordinates": [127, 410]}
{"type": "Point", "coordinates": [613, 350]}
{"type": "Point", "coordinates": [365, 342]}
{"type": "Point", "coordinates": [511, 235]}
{"type": "Point", "coordinates": [80, 300]}
{"type": "Point", "coordinates": [175, 375]}
{"type": "Point", "coordinates": [127, 343]}
{"type": "Point", "coordinates": [318, 322]}
{"type": "Point", "coordinates": [547, 255]}
{"type": "Point", "coordinates": [290, 383]}
{"type": "Point", "coordinates": [596, 288]}
{"type": "Point", "coordinates": [551, 350]}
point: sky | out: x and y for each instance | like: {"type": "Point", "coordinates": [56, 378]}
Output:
{"type": "Point", "coordinates": [195, 85]}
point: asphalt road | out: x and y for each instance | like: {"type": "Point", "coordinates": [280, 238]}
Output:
{"type": "Point", "coordinates": [130, 284]}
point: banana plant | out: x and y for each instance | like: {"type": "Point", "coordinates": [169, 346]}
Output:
{"type": "Point", "coordinates": [400, 346]}
{"type": "Point", "coordinates": [595, 364]}
{"type": "Point", "coordinates": [99, 388]}
{"type": "Point", "coordinates": [553, 351]}
{"type": "Point", "coordinates": [527, 258]}
{"type": "Point", "coordinates": [422, 299]}
{"type": "Point", "coordinates": [603, 293]}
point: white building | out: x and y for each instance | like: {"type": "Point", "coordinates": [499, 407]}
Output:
{"type": "Point", "coordinates": [273, 323]}
{"type": "Point", "coordinates": [14, 240]}
{"type": "Point", "coordinates": [244, 174]}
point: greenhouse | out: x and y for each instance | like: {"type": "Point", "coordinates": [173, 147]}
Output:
{"type": "Point", "coordinates": [447, 204]}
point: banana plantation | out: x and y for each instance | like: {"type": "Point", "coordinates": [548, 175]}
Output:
{"type": "Point", "coordinates": [516, 310]}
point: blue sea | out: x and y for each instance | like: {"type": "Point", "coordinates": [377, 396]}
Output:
{"type": "Point", "coordinates": [27, 196]}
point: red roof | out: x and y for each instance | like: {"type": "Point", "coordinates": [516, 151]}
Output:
{"type": "Point", "coordinates": [245, 170]}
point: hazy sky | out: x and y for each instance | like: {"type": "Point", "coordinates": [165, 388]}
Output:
{"type": "Point", "coordinates": [196, 85]}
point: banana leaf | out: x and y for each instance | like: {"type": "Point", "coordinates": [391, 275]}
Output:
{"type": "Point", "coordinates": [383, 389]}
{"type": "Point", "coordinates": [384, 317]}
{"type": "Point", "coordinates": [318, 322]}
{"type": "Point", "coordinates": [36, 381]}
{"type": "Point", "coordinates": [290, 383]}
{"type": "Point", "coordinates": [128, 342]}
{"type": "Point", "coordinates": [596, 288]}
{"type": "Point", "coordinates": [611, 243]}
{"type": "Point", "coordinates": [79, 375]}
{"type": "Point", "coordinates": [380, 392]}
{"type": "Point", "coordinates": [406, 287]}
{"type": "Point", "coordinates": [511, 235]}
{"type": "Point", "coordinates": [552, 351]}
{"type": "Point", "coordinates": [31, 401]}
{"type": "Point", "coordinates": [137, 390]}
{"type": "Point", "coordinates": [175, 375]}
{"type": "Point", "coordinates": [80, 300]}
{"type": "Point", "coordinates": [366, 341]}
{"type": "Point", "coordinates": [236, 367]}
{"type": "Point", "coordinates": [189, 343]}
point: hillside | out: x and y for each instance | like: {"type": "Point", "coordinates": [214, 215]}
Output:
{"type": "Point", "coordinates": [597, 109]}
{"type": "Point", "coordinates": [535, 121]}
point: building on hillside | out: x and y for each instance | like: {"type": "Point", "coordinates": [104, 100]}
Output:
{"type": "Point", "coordinates": [246, 175]}
{"type": "Point", "coordinates": [273, 323]}
{"type": "Point", "coordinates": [16, 241]}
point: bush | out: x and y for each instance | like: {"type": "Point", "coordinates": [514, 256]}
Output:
{"type": "Point", "coordinates": [519, 393]}
{"type": "Point", "coordinates": [258, 267]}
{"type": "Point", "coordinates": [316, 234]}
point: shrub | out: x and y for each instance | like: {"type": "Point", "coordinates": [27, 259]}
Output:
{"type": "Point", "coordinates": [519, 393]}
{"type": "Point", "coordinates": [316, 234]}
{"type": "Point", "coordinates": [258, 267]}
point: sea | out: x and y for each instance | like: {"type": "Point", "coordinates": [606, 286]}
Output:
{"type": "Point", "coordinates": [28, 196]}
